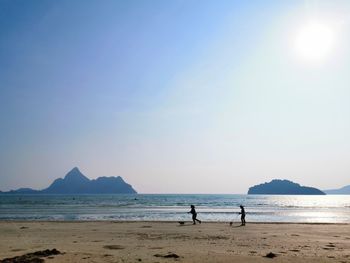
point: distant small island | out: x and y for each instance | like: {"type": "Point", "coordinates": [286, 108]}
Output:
{"type": "Point", "coordinates": [341, 191]}
{"type": "Point", "coordinates": [283, 187]}
{"type": "Point", "coordinates": [76, 183]}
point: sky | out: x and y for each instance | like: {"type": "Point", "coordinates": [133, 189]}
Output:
{"type": "Point", "coordinates": [180, 96]}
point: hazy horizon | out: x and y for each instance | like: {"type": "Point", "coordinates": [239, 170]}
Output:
{"type": "Point", "coordinates": [175, 96]}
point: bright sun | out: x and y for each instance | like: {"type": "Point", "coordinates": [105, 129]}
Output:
{"type": "Point", "coordinates": [314, 41]}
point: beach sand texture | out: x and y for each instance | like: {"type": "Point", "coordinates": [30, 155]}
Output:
{"type": "Point", "coordinates": [164, 241]}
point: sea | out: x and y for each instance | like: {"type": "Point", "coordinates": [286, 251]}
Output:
{"type": "Point", "coordinates": [174, 207]}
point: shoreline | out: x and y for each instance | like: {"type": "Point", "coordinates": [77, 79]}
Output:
{"type": "Point", "coordinates": [170, 221]}
{"type": "Point", "coordinates": [155, 241]}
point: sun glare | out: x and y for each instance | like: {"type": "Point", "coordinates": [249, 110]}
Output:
{"type": "Point", "coordinates": [314, 41]}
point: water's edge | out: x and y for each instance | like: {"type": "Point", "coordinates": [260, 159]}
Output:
{"type": "Point", "coordinates": [167, 208]}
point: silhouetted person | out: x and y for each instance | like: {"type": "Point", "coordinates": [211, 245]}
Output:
{"type": "Point", "coordinates": [242, 213]}
{"type": "Point", "coordinates": [194, 215]}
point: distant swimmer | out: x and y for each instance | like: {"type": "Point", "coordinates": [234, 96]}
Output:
{"type": "Point", "coordinates": [242, 213]}
{"type": "Point", "coordinates": [194, 215]}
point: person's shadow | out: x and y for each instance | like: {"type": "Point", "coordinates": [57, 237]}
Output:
{"type": "Point", "coordinates": [231, 225]}
{"type": "Point", "coordinates": [235, 226]}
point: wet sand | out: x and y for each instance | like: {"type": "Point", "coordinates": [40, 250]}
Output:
{"type": "Point", "coordinates": [171, 242]}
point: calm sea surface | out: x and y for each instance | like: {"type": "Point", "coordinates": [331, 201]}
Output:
{"type": "Point", "coordinates": [259, 208]}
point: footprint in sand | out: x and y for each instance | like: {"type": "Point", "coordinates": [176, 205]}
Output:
{"type": "Point", "coordinates": [294, 250]}
{"type": "Point", "coordinates": [330, 245]}
{"type": "Point", "coordinates": [169, 255]}
{"type": "Point", "coordinates": [270, 255]}
{"type": "Point", "coordinates": [328, 248]}
{"type": "Point", "coordinates": [113, 247]}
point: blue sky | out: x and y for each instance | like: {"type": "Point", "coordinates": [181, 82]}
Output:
{"type": "Point", "coordinates": [174, 96]}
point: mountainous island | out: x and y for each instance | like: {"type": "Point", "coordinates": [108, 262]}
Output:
{"type": "Point", "coordinates": [341, 191]}
{"type": "Point", "coordinates": [283, 187]}
{"type": "Point", "coordinates": [76, 183]}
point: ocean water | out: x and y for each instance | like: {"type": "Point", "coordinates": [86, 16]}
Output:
{"type": "Point", "coordinates": [259, 208]}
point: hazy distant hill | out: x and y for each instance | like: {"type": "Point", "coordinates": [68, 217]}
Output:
{"type": "Point", "coordinates": [77, 183]}
{"type": "Point", "coordinates": [341, 191]}
{"type": "Point", "coordinates": [73, 182]}
{"type": "Point", "coordinates": [23, 191]}
{"type": "Point", "coordinates": [283, 187]}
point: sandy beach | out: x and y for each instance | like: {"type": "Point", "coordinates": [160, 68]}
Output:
{"type": "Point", "coordinates": [169, 241]}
